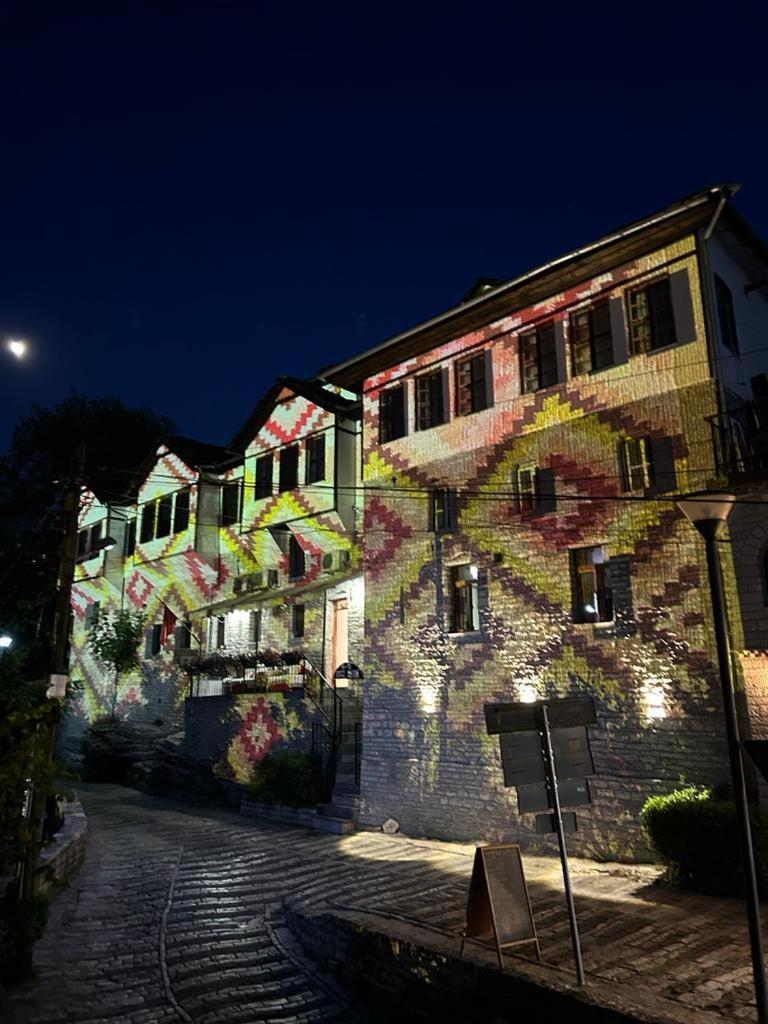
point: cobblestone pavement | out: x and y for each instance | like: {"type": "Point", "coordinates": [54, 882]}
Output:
{"type": "Point", "coordinates": [177, 916]}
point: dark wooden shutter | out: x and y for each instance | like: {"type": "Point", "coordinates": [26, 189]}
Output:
{"type": "Point", "coordinates": [445, 382]}
{"type": "Point", "coordinates": [452, 509]}
{"type": "Point", "coordinates": [488, 378]}
{"type": "Point", "coordinates": [619, 334]}
{"type": "Point", "coordinates": [682, 306]}
{"type": "Point", "coordinates": [545, 490]}
{"type": "Point", "coordinates": [619, 581]}
{"type": "Point", "coordinates": [662, 453]}
{"type": "Point", "coordinates": [621, 461]}
{"type": "Point", "coordinates": [560, 351]}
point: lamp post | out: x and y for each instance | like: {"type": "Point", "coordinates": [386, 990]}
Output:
{"type": "Point", "coordinates": [709, 514]}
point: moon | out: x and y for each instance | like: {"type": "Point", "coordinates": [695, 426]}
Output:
{"type": "Point", "coordinates": [17, 347]}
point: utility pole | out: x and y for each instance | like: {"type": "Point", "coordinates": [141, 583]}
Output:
{"type": "Point", "coordinates": [59, 655]}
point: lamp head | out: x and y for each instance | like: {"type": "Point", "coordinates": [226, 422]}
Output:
{"type": "Point", "coordinates": [707, 511]}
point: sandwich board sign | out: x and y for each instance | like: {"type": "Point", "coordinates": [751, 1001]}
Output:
{"type": "Point", "coordinates": [498, 907]}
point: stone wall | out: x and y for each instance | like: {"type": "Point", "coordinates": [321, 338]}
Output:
{"type": "Point", "coordinates": [63, 857]}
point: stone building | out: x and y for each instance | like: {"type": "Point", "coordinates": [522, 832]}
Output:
{"type": "Point", "coordinates": [522, 454]}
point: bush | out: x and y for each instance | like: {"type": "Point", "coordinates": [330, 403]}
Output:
{"type": "Point", "coordinates": [694, 831]}
{"type": "Point", "coordinates": [288, 779]}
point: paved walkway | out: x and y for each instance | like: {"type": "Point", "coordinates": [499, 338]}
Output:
{"type": "Point", "coordinates": [177, 916]}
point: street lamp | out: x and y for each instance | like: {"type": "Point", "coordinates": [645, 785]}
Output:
{"type": "Point", "coordinates": [709, 514]}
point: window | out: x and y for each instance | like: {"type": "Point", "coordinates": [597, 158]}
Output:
{"type": "Point", "coordinates": [82, 543]}
{"type": "Point", "coordinates": [297, 625]}
{"type": "Point", "coordinates": [155, 638]}
{"type": "Point", "coordinates": [184, 636]}
{"type": "Point", "coordinates": [181, 511]}
{"type": "Point", "coordinates": [636, 464]}
{"type": "Point", "coordinates": [147, 522]}
{"type": "Point", "coordinates": [726, 315]}
{"type": "Point", "coordinates": [296, 560]}
{"type": "Point", "coordinates": [430, 401]}
{"type": "Point", "coordinates": [591, 340]}
{"type": "Point", "coordinates": [538, 358]}
{"type": "Point", "coordinates": [592, 600]}
{"type": "Point", "coordinates": [264, 476]}
{"type": "Point", "coordinates": [535, 487]}
{"type": "Point", "coordinates": [651, 317]}
{"type": "Point", "coordinates": [289, 468]}
{"type": "Point", "coordinates": [465, 613]}
{"type": "Point", "coordinates": [164, 516]}
{"type": "Point", "coordinates": [443, 510]}
{"type": "Point", "coordinates": [392, 414]}
{"type": "Point", "coordinates": [254, 628]}
{"type": "Point", "coordinates": [230, 503]}
{"type": "Point", "coordinates": [130, 538]}
{"type": "Point", "coordinates": [315, 459]}
{"type": "Point", "coordinates": [216, 632]}
{"type": "Point", "coordinates": [526, 488]}
{"type": "Point", "coordinates": [473, 384]}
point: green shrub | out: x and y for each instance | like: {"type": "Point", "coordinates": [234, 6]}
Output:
{"type": "Point", "coordinates": [694, 831]}
{"type": "Point", "coordinates": [288, 779]}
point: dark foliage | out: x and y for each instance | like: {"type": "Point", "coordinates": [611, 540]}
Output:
{"type": "Point", "coordinates": [289, 779]}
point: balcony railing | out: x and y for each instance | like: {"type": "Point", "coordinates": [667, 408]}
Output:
{"type": "Point", "coordinates": [740, 439]}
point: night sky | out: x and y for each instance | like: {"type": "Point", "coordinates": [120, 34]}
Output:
{"type": "Point", "coordinates": [198, 197]}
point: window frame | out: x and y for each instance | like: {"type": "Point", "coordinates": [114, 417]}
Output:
{"type": "Point", "coordinates": [263, 482]}
{"type": "Point", "coordinates": [649, 322]}
{"type": "Point", "coordinates": [428, 394]}
{"type": "Point", "coordinates": [578, 365]}
{"type": "Point", "coordinates": [229, 516]}
{"type": "Point", "coordinates": [164, 516]}
{"type": "Point", "coordinates": [601, 597]}
{"type": "Point", "coordinates": [297, 559]}
{"type": "Point", "coordinates": [443, 510]}
{"type": "Point", "coordinates": [288, 469]}
{"type": "Point", "coordinates": [314, 467]}
{"type": "Point", "coordinates": [465, 613]}
{"type": "Point", "coordinates": [536, 354]}
{"type": "Point", "coordinates": [533, 500]}
{"type": "Point", "coordinates": [387, 421]}
{"type": "Point", "coordinates": [629, 466]}
{"type": "Point", "coordinates": [471, 386]}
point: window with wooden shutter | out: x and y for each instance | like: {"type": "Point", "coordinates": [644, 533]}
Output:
{"type": "Point", "coordinates": [430, 400]}
{"type": "Point", "coordinates": [181, 511]}
{"type": "Point", "coordinates": [443, 510]}
{"type": "Point", "coordinates": [392, 422]}
{"type": "Point", "coordinates": [592, 600]}
{"type": "Point", "coordinates": [472, 385]}
{"type": "Point", "coordinates": [526, 488]}
{"type": "Point", "coordinates": [315, 470]}
{"type": "Point", "coordinates": [164, 514]}
{"type": "Point", "coordinates": [263, 487]}
{"type": "Point", "coordinates": [651, 317]}
{"type": "Point", "coordinates": [636, 463]}
{"type": "Point", "coordinates": [230, 503]}
{"type": "Point", "coordinates": [289, 468]}
{"type": "Point", "coordinates": [591, 339]}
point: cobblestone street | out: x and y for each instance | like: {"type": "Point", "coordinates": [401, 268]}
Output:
{"type": "Point", "coordinates": [178, 915]}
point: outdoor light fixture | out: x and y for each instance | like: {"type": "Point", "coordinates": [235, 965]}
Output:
{"type": "Point", "coordinates": [5, 642]}
{"type": "Point", "coordinates": [108, 543]}
{"type": "Point", "coordinates": [709, 514]}
{"type": "Point", "coordinates": [17, 347]}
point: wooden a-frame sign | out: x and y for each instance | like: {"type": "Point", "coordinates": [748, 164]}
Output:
{"type": "Point", "coordinates": [499, 907]}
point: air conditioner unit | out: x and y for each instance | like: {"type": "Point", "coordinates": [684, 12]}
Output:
{"type": "Point", "coordinates": [336, 560]}
{"type": "Point", "coordinates": [254, 582]}
{"type": "Point", "coordinates": [328, 561]}
{"type": "Point", "coordinates": [273, 578]}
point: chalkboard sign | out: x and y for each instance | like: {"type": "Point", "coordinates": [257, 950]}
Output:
{"type": "Point", "coordinates": [499, 907]}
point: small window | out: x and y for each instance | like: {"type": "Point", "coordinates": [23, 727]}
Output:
{"type": "Point", "coordinates": [591, 340]}
{"type": "Point", "coordinates": [296, 560]}
{"type": "Point", "coordinates": [289, 468]}
{"type": "Point", "coordinates": [592, 600]}
{"type": "Point", "coordinates": [392, 414]}
{"type": "Point", "coordinates": [164, 514]}
{"type": "Point", "coordinates": [82, 543]}
{"type": "Point", "coordinates": [538, 358]}
{"type": "Point", "coordinates": [147, 522]}
{"type": "Point", "coordinates": [315, 459]}
{"type": "Point", "coordinates": [651, 317]}
{"type": "Point", "coordinates": [527, 495]}
{"type": "Point", "coordinates": [130, 538]}
{"type": "Point", "coordinates": [94, 539]}
{"type": "Point", "coordinates": [430, 400]}
{"type": "Point", "coordinates": [298, 621]}
{"type": "Point", "coordinates": [443, 510]}
{"type": "Point", "coordinates": [636, 464]}
{"type": "Point", "coordinates": [264, 476]}
{"type": "Point", "coordinates": [181, 511]}
{"type": "Point", "coordinates": [465, 611]}
{"type": "Point", "coordinates": [184, 636]}
{"type": "Point", "coordinates": [726, 315]}
{"type": "Point", "coordinates": [155, 641]}
{"type": "Point", "coordinates": [230, 503]}
{"type": "Point", "coordinates": [472, 385]}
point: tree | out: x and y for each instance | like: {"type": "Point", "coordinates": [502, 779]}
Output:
{"type": "Point", "coordinates": [32, 478]}
{"type": "Point", "coordinates": [115, 641]}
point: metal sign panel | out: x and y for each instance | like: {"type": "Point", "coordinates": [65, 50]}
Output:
{"type": "Point", "coordinates": [563, 713]}
{"type": "Point", "coordinates": [573, 766]}
{"type": "Point", "coordinates": [569, 741]}
{"type": "Point", "coordinates": [545, 823]}
{"type": "Point", "coordinates": [520, 745]}
{"type": "Point", "coordinates": [573, 793]}
{"type": "Point", "coordinates": [523, 773]}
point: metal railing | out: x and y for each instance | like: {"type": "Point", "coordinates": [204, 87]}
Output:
{"type": "Point", "coordinates": [265, 679]}
{"type": "Point", "coordinates": [740, 439]}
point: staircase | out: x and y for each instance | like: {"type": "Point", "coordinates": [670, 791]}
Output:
{"type": "Point", "coordinates": [340, 815]}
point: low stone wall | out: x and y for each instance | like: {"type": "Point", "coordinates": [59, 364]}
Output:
{"type": "Point", "coordinates": [278, 813]}
{"type": "Point", "coordinates": [63, 857]}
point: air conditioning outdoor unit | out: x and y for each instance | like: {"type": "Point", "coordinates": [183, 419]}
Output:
{"type": "Point", "coordinates": [336, 560]}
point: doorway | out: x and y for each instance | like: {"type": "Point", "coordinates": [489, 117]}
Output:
{"type": "Point", "coordinates": [339, 649]}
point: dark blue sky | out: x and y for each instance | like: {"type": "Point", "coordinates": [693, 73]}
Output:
{"type": "Point", "coordinates": [197, 197]}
